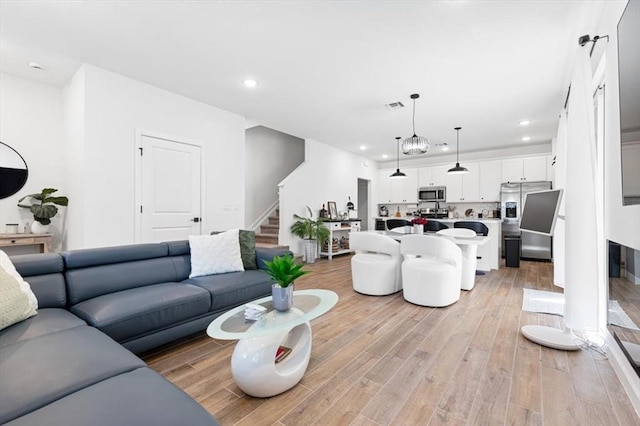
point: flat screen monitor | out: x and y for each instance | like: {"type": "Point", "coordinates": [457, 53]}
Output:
{"type": "Point", "coordinates": [540, 211]}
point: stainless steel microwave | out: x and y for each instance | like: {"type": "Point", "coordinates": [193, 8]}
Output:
{"type": "Point", "coordinates": [432, 193]}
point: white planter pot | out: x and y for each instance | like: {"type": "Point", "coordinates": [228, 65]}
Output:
{"type": "Point", "coordinates": [38, 228]}
{"type": "Point", "coordinates": [310, 251]}
{"type": "Point", "coordinates": [282, 297]}
{"type": "Point", "coordinates": [418, 229]}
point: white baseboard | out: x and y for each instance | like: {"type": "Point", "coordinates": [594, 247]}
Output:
{"type": "Point", "coordinates": [624, 371]}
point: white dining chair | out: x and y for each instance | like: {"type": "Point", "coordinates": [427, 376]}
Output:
{"type": "Point", "coordinates": [431, 270]}
{"type": "Point", "coordinates": [376, 266]}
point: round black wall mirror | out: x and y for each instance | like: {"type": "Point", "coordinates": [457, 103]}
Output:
{"type": "Point", "coordinates": [13, 171]}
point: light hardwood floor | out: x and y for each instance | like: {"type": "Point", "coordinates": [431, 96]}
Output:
{"type": "Point", "coordinates": [383, 361]}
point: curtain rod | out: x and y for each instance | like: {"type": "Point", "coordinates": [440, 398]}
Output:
{"type": "Point", "coordinates": [582, 41]}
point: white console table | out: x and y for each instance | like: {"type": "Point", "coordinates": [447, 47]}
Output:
{"type": "Point", "coordinates": [339, 229]}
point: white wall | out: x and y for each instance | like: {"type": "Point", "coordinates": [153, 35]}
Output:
{"type": "Point", "coordinates": [621, 223]}
{"type": "Point", "coordinates": [328, 174]}
{"type": "Point", "coordinates": [105, 127]}
{"type": "Point", "coordinates": [31, 123]}
{"type": "Point", "coordinates": [270, 156]}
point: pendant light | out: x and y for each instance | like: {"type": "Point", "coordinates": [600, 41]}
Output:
{"type": "Point", "coordinates": [398, 174]}
{"type": "Point", "coordinates": [458, 169]}
{"type": "Point", "coordinates": [415, 144]}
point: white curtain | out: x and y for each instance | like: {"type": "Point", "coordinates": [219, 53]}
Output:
{"type": "Point", "coordinates": [560, 152]}
{"type": "Point", "coordinates": [581, 227]}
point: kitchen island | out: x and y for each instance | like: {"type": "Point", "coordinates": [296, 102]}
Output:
{"type": "Point", "coordinates": [489, 253]}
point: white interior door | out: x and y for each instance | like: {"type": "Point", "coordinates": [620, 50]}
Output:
{"type": "Point", "coordinates": [170, 179]}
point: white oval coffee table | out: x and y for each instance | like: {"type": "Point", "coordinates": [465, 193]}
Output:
{"type": "Point", "coordinates": [253, 361]}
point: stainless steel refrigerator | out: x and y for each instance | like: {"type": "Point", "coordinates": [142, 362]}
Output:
{"type": "Point", "coordinates": [512, 196]}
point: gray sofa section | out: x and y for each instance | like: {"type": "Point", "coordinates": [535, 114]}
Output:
{"type": "Point", "coordinates": [70, 364]}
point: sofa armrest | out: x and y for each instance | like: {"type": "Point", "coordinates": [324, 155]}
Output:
{"type": "Point", "coordinates": [264, 253]}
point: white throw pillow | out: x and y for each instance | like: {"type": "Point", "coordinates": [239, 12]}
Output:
{"type": "Point", "coordinates": [215, 254]}
{"type": "Point", "coordinates": [15, 305]}
{"type": "Point", "coordinates": [7, 265]}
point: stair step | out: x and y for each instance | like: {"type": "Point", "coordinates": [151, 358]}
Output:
{"type": "Point", "coordinates": [267, 238]}
{"type": "Point", "coordinates": [274, 219]}
{"type": "Point", "coordinates": [270, 229]}
{"type": "Point", "coordinates": [269, 245]}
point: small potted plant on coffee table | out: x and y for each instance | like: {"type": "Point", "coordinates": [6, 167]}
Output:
{"type": "Point", "coordinates": [284, 271]}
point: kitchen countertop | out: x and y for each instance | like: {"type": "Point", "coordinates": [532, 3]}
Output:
{"type": "Point", "coordinates": [447, 220]}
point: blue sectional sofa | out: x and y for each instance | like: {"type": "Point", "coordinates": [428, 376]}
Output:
{"type": "Point", "coordinates": [72, 363]}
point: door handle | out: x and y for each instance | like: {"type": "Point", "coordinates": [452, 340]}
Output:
{"type": "Point", "coordinates": [195, 219]}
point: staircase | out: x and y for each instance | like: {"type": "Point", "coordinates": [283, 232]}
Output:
{"type": "Point", "coordinates": [268, 235]}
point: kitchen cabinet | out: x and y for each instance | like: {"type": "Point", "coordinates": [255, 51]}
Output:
{"type": "Point", "coordinates": [490, 179]}
{"type": "Point", "coordinates": [432, 176]}
{"type": "Point", "coordinates": [466, 187]}
{"type": "Point", "coordinates": [397, 191]}
{"type": "Point", "coordinates": [528, 169]}
{"type": "Point", "coordinates": [489, 254]}
{"type": "Point", "coordinates": [384, 186]}
{"type": "Point", "coordinates": [338, 242]}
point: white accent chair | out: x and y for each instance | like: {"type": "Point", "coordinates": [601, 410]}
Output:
{"type": "Point", "coordinates": [376, 266]}
{"type": "Point", "coordinates": [431, 271]}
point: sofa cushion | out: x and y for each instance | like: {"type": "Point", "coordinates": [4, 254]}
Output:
{"type": "Point", "coordinates": [135, 312]}
{"type": "Point", "coordinates": [234, 288]}
{"type": "Point", "coordinates": [215, 254]}
{"type": "Point", "coordinates": [90, 282]}
{"type": "Point", "coordinates": [84, 258]}
{"type": "Point", "coordinates": [248, 249]}
{"type": "Point", "coordinates": [15, 305]}
{"type": "Point", "coordinates": [139, 397]}
{"type": "Point", "coordinates": [38, 371]}
{"type": "Point", "coordinates": [48, 320]}
{"type": "Point", "coordinates": [43, 272]}
{"type": "Point", "coordinates": [7, 265]}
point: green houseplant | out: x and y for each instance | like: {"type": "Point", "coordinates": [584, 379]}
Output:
{"type": "Point", "coordinates": [43, 206]}
{"type": "Point", "coordinates": [284, 271]}
{"type": "Point", "coordinates": [311, 231]}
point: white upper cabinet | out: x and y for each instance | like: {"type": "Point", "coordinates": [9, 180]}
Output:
{"type": "Point", "coordinates": [466, 187]}
{"type": "Point", "coordinates": [528, 169]}
{"type": "Point", "coordinates": [384, 186]}
{"type": "Point", "coordinates": [432, 176]}
{"type": "Point", "coordinates": [397, 191]}
{"type": "Point", "coordinates": [490, 180]}
{"type": "Point", "coordinates": [405, 190]}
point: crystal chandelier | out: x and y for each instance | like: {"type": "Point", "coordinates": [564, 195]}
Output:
{"type": "Point", "coordinates": [415, 144]}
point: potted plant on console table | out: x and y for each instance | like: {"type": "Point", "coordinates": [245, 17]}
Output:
{"type": "Point", "coordinates": [311, 231]}
{"type": "Point", "coordinates": [43, 208]}
{"type": "Point", "coordinates": [284, 271]}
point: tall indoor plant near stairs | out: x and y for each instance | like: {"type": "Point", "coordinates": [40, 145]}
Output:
{"type": "Point", "coordinates": [312, 231]}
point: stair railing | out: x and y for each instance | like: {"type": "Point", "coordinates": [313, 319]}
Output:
{"type": "Point", "coordinates": [255, 226]}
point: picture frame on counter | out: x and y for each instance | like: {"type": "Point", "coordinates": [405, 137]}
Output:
{"type": "Point", "coordinates": [333, 210]}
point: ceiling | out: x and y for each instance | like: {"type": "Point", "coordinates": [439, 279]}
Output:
{"type": "Point", "coordinates": [325, 69]}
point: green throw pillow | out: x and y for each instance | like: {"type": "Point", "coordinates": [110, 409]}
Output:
{"type": "Point", "coordinates": [248, 249]}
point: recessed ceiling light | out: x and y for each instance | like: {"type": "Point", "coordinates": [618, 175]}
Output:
{"type": "Point", "coordinates": [35, 66]}
{"type": "Point", "coordinates": [526, 138]}
{"type": "Point", "coordinates": [363, 148]}
{"type": "Point", "coordinates": [524, 122]}
{"type": "Point", "coordinates": [250, 83]}
{"type": "Point", "coordinates": [385, 156]}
